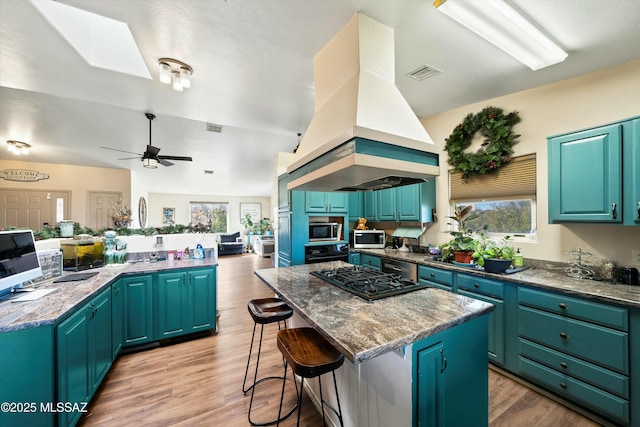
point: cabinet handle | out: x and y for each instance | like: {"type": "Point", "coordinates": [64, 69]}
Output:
{"type": "Point", "coordinates": [564, 365]}
{"type": "Point", "coordinates": [432, 275]}
{"type": "Point", "coordinates": [475, 285]}
{"type": "Point", "coordinates": [639, 210]}
{"type": "Point", "coordinates": [564, 335]}
{"type": "Point", "coordinates": [563, 385]}
{"type": "Point", "coordinates": [614, 212]}
{"type": "Point", "coordinates": [563, 306]}
{"type": "Point", "coordinates": [444, 360]}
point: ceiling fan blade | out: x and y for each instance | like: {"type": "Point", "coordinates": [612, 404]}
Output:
{"type": "Point", "coordinates": [152, 151]}
{"type": "Point", "coordinates": [129, 158]}
{"type": "Point", "coordinates": [183, 158]}
{"type": "Point", "coordinates": [122, 151]}
{"type": "Point", "coordinates": [165, 162]}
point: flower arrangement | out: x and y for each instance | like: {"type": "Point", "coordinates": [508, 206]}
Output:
{"type": "Point", "coordinates": [121, 216]}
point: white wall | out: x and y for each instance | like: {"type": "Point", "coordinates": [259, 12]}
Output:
{"type": "Point", "coordinates": [585, 101]}
{"type": "Point", "coordinates": [180, 202]}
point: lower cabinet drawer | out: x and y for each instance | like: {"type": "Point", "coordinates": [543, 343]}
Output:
{"type": "Point", "coordinates": [603, 346]}
{"type": "Point", "coordinates": [371, 261]}
{"type": "Point", "coordinates": [572, 389]}
{"type": "Point", "coordinates": [591, 374]}
{"type": "Point", "coordinates": [435, 275]}
{"type": "Point", "coordinates": [479, 285]}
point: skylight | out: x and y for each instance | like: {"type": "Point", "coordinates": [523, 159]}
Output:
{"type": "Point", "coordinates": [102, 42]}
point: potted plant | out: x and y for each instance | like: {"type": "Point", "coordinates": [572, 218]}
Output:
{"type": "Point", "coordinates": [494, 257]}
{"type": "Point", "coordinates": [463, 244]}
{"type": "Point", "coordinates": [247, 223]}
{"type": "Point", "coordinates": [263, 226]}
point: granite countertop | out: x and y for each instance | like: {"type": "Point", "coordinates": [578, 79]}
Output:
{"type": "Point", "coordinates": [53, 307]}
{"type": "Point", "coordinates": [550, 276]}
{"type": "Point", "coordinates": [361, 330]}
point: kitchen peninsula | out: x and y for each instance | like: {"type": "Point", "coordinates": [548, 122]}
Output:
{"type": "Point", "coordinates": [58, 349]}
{"type": "Point", "coordinates": [412, 357]}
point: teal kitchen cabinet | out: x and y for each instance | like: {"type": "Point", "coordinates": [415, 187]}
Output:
{"type": "Point", "coordinates": [436, 277]}
{"type": "Point", "coordinates": [407, 203]}
{"type": "Point", "coordinates": [284, 195]}
{"type": "Point", "coordinates": [27, 357]}
{"type": "Point", "coordinates": [138, 309]}
{"type": "Point", "coordinates": [449, 370]}
{"type": "Point", "coordinates": [491, 291]}
{"type": "Point", "coordinates": [117, 317]}
{"type": "Point", "coordinates": [356, 206]}
{"type": "Point", "coordinates": [355, 258]}
{"type": "Point", "coordinates": [284, 239]}
{"type": "Point", "coordinates": [594, 175]}
{"type": "Point", "coordinates": [370, 205]}
{"type": "Point", "coordinates": [326, 202]}
{"type": "Point", "coordinates": [185, 302]}
{"type": "Point", "coordinates": [585, 177]}
{"type": "Point", "coordinates": [371, 261]}
{"type": "Point", "coordinates": [631, 172]}
{"type": "Point", "coordinates": [578, 349]}
{"type": "Point", "coordinates": [84, 354]}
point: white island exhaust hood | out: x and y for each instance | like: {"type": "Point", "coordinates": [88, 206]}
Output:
{"type": "Point", "coordinates": [363, 135]}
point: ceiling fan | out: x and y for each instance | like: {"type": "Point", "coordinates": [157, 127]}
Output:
{"type": "Point", "coordinates": [150, 158]}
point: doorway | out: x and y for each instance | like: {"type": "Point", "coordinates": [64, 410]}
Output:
{"type": "Point", "coordinates": [33, 208]}
{"type": "Point", "coordinates": [101, 208]}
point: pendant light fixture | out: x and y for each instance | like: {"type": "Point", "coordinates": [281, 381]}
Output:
{"type": "Point", "coordinates": [175, 72]}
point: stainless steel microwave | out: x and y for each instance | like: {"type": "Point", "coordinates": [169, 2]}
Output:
{"type": "Point", "coordinates": [319, 231]}
{"type": "Point", "coordinates": [368, 239]}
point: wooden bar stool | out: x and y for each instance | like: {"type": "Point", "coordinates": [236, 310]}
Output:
{"type": "Point", "coordinates": [310, 355]}
{"type": "Point", "coordinates": [264, 311]}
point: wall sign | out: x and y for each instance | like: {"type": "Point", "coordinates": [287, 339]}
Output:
{"type": "Point", "coordinates": [23, 175]}
{"type": "Point", "coordinates": [253, 209]}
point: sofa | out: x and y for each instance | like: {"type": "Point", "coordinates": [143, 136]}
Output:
{"type": "Point", "coordinates": [230, 244]}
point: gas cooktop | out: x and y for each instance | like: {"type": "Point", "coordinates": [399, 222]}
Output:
{"type": "Point", "coordinates": [367, 283]}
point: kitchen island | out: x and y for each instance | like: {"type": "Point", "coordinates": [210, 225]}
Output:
{"type": "Point", "coordinates": [411, 358]}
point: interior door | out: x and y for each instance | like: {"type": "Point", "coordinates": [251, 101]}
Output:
{"type": "Point", "coordinates": [33, 208]}
{"type": "Point", "coordinates": [101, 207]}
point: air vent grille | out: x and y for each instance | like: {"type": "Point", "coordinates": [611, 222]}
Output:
{"type": "Point", "coordinates": [423, 72]}
{"type": "Point", "coordinates": [214, 128]}
{"type": "Point", "coordinates": [208, 172]}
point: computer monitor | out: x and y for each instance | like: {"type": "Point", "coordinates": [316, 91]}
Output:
{"type": "Point", "coordinates": [18, 259]}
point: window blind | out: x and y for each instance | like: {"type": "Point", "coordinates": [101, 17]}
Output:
{"type": "Point", "coordinates": [517, 178]}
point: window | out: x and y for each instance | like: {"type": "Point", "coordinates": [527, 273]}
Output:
{"type": "Point", "coordinates": [211, 216]}
{"type": "Point", "coordinates": [515, 217]}
{"type": "Point", "coordinates": [505, 201]}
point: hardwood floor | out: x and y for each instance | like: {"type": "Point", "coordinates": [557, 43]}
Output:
{"type": "Point", "coordinates": [199, 382]}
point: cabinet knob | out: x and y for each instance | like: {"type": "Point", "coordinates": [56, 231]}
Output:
{"type": "Point", "coordinates": [563, 306]}
{"type": "Point", "coordinates": [432, 275]}
{"type": "Point", "coordinates": [564, 365]}
{"type": "Point", "coordinates": [564, 335]}
{"type": "Point", "coordinates": [563, 385]}
{"type": "Point", "coordinates": [475, 285]}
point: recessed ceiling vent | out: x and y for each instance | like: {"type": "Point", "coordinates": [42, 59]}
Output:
{"type": "Point", "coordinates": [423, 72]}
{"type": "Point", "coordinates": [208, 172]}
{"type": "Point", "coordinates": [214, 128]}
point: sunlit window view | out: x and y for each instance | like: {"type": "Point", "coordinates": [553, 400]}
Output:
{"type": "Point", "coordinates": [515, 217]}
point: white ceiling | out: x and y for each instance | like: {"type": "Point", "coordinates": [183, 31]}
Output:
{"type": "Point", "coordinates": [253, 75]}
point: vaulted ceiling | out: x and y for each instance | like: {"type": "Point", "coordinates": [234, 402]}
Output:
{"type": "Point", "coordinates": [253, 75]}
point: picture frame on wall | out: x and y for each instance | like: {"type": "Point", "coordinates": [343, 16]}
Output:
{"type": "Point", "coordinates": [168, 216]}
{"type": "Point", "coordinates": [253, 209]}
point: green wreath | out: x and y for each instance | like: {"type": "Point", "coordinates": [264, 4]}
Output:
{"type": "Point", "coordinates": [495, 150]}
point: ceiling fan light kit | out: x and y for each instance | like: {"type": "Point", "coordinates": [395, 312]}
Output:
{"type": "Point", "coordinates": [501, 25]}
{"type": "Point", "coordinates": [176, 73]}
{"type": "Point", "coordinates": [149, 163]}
{"type": "Point", "coordinates": [18, 147]}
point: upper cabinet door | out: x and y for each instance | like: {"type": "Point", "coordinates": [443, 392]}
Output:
{"type": "Point", "coordinates": [631, 168]}
{"type": "Point", "coordinates": [326, 202]}
{"type": "Point", "coordinates": [386, 205]}
{"type": "Point", "coordinates": [315, 201]}
{"type": "Point", "coordinates": [585, 176]}
{"type": "Point", "coordinates": [338, 202]}
{"type": "Point", "coordinates": [408, 202]}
